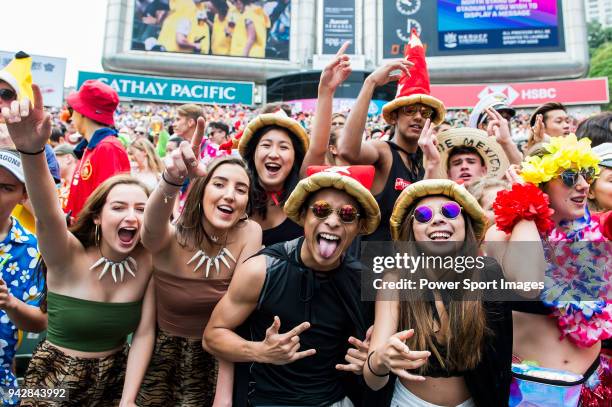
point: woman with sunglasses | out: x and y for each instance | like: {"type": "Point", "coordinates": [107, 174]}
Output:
{"type": "Point", "coordinates": [446, 348]}
{"type": "Point", "coordinates": [194, 261]}
{"type": "Point", "coordinates": [569, 334]}
{"type": "Point", "coordinates": [97, 276]}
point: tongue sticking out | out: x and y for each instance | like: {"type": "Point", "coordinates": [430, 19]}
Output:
{"type": "Point", "coordinates": [126, 235]}
{"type": "Point", "coordinates": [327, 247]}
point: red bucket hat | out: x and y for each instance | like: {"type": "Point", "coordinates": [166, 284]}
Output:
{"type": "Point", "coordinates": [96, 101]}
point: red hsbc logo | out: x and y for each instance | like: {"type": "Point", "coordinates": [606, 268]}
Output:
{"type": "Point", "coordinates": [527, 94]}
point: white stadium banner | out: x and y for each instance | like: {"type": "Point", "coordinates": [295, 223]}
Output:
{"type": "Point", "coordinates": [48, 73]}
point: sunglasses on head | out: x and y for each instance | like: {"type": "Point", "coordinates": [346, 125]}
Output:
{"type": "Point", "coordinates": [323, 209]}
{"type": "Point", "coordinates": [411, 110]}
{"type": "Point", "coordinates": [570, 177]}
{"type": "Point", "coordinates": [425, 213]}
{"type": "Point", "coordinates": [8, 95]}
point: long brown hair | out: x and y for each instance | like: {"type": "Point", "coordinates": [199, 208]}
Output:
{"type": "Point", "coordinates": [466, 329]}
{"type": "Point", "coordinates": [84, 229]}
{"type": "Point", "coordinates": [189, 227]}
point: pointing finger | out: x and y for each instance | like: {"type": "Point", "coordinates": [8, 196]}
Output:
{"type": "Point", "coordinates": [38, 99]}
{"type": "Point", "coordinates": [343, 48]}
{"type": "Point", "coordinates": [196, 142]}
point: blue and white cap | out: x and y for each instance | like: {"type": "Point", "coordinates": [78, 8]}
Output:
{"type": "Point", "coordinates": [10, 160]}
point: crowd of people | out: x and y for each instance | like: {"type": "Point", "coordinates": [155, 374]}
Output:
{"type": "Point", "coordinates": [228, 249]}
{"type": "Point", "coordinates": [242, 28]}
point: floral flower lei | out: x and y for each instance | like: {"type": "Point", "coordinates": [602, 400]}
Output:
{"type": "Point", "coordinates": [563, 153]}
{"type": "Point", "coordinates": [578, 281]}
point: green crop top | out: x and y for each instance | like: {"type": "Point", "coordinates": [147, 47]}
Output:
{"type": "Point", "coordinates": [90, 326]}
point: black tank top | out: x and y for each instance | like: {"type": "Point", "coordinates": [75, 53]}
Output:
{"type": "Point", "coordinates": [399, 178]}
{"type": "Point", "coordinates": [330, 301]}
{"type": "Point", "coordinates": [288, 230]}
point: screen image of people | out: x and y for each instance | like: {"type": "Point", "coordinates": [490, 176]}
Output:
{"type": "Point", "coordinates": [238, 28]}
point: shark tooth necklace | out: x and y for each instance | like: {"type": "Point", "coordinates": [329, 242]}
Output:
{"type": "Point", "coordinates": [221, 257]}
{"type": "Point", "coordinates": [116, 267]}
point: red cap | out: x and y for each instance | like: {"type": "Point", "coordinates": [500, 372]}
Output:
{"type": "Point", "coordinates": [96, 101]}
{"type": "Point", "coordinates": [418, 81]}
{"type": "Point", "coordinates": [364, 174]}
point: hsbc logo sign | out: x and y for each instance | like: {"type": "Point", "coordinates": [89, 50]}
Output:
{"type": "Point", "coordinates": [508, 91]}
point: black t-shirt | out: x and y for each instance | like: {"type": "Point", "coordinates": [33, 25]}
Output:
{"type": "Point", "coordinates": [330, 302]}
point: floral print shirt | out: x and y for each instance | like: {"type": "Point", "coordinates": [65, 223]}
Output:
{"type": "Point", "coordinates": [18, 259]}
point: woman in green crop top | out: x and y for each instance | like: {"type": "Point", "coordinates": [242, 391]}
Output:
{"type": "Point", "coordinates": [97, 273]}
{"type": "Point", "coordinates": [194, 261]}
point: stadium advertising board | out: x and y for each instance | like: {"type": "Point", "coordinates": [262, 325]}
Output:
{"type": "Point", "coordinates": [338, 25]}
{"type": "Point", "coordinates": [48, 73]}
{"type": "Point", "coordinates": [590, 91]}
{"type": "Point", "coordinates": [175, 90]}
{"type": "Point", "coordinates": [260, 29]}
{"type": "Point", "coordinates": [474, 27]}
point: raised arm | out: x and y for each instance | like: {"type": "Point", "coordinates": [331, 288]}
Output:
{"type": "Point", "coordinates": [350, 146]}
{"type": "Point", "coordinates": [234, 308]}
{"type": "Point", "coordinates": [141, 350]}
{"type": "Point", "coordinates": [499, 128]}
{"type": "Point", "coordinates": [30, 127]}
{"type": "Point", "coordinates": [182, 163]}
{"type": "Point", "coordinates": [332, 76]}
{"type": "Point", "coordinates": [429, 145]}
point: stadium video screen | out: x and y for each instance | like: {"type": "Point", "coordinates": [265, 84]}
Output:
{"type": "Point", "coordinates": [237, 28]}
{"type": "Point", "coordinates": [473, 27]}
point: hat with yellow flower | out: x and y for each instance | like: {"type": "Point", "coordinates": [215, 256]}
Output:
{"type": "Point", "coordinates": [561, 153]}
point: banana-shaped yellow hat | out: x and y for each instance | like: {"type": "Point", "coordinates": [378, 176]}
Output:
{"type": "Point", "coordinates": [18, 74]}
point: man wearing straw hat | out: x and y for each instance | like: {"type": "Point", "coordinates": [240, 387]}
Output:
{"type": "Point", "coordinates": [301, 299]}
{"type": "Point", "coordinates": [398, 162]}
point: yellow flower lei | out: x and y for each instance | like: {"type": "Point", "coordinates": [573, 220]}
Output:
{"type": "Point", "coordinates": [563, 153]}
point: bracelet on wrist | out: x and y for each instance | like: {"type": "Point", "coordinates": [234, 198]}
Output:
{"type": "Point", "coordinates": [372, 370]}
{"type": "Point", "coordinates": [34, 153]}
{"type": "Point", "coordinates": [169, 182]}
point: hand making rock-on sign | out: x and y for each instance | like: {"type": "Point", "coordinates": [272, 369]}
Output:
{"type": "Point", "coordinates": [98, 273]}
{"type": "Point", "coordinates": [311, 284]}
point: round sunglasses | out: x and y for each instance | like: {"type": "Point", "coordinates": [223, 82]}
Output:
{"type": "Point", "coordinates": [570, 177]}
{"type": "Point", "coordinates": [323, 209]}
{"type": "Point", "coordinates": [425, 213]}
{"type": "Point", "coordinates": [8, 95]}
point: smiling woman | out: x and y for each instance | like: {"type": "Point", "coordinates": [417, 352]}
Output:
{"type": "Point", "coordinates": [274, 146]}
{"type": "Point", "coordinates": [94, 301]}
{"type": "Point", "coordinates": [194, 262]}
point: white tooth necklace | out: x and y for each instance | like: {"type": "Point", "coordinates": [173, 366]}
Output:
{"type": "Point", "coordinates": [121, 267]}
{"type": "Point", "coordinates": [210, 261]}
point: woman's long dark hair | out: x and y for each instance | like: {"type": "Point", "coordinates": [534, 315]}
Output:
{"type": "Point", "coordinates": [259, 196]}
{"type": "Point", "coordinates": [467, 325]}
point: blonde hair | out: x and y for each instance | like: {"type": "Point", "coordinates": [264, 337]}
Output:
{"type": "Point", "coordinates": [154, 163]}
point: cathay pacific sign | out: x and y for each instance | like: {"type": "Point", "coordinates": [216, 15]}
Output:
{"type": "Point", "coordinates": [174, 90]}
